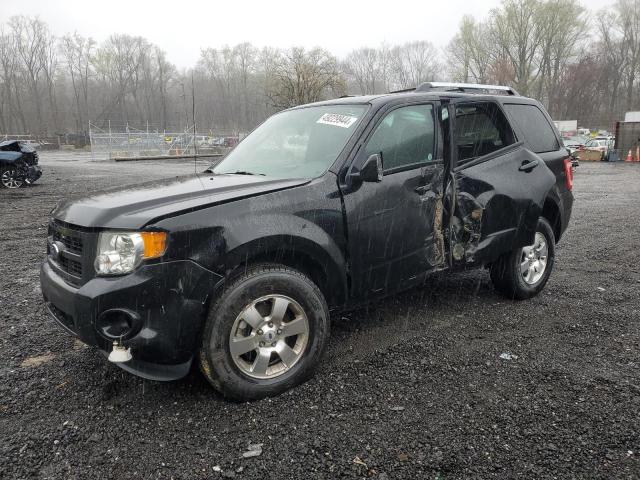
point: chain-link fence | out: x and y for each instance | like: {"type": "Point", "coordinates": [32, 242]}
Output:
{"type": "Point", "coordinates": [134, 143]}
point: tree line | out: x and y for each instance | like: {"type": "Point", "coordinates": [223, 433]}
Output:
{"type": "Point", "coordinates": [580, 64]}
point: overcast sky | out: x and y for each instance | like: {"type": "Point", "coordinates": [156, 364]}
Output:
{"type": "Point", "coordinates": [183, 27]}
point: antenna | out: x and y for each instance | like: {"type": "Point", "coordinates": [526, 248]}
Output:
{"type": "Point", "coordinates": [193, 115]}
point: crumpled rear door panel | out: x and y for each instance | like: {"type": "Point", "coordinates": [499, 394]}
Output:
{"type": "Point", "coordinates": [497, 206]}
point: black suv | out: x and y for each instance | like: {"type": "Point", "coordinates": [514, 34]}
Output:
{"type": "Point", "coordinates": [322, 207]}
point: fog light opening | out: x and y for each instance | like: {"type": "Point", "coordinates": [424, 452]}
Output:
{"type": "Point", "coordinates": [117, 324]}
{"type": "Point", "coordinates": [120, 353]}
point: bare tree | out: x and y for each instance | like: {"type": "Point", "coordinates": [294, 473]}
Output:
{"type": "Point", "coordinates": [363, 66]}
{"type": "Point", "coordinates": [470, 52]}
{"type": "Point", "coordinates": [31, 37]}
{"type": "Point", "coordinates": [545, 48]}
{"type": "Point", "coordinates": [414, 63]}
{"type": "Point", "coordinates": [12, 113]}
{"type": "Point", "coordinates": [516, 33]}
{"type": "Point", "coordinates": [302, 76]}
{"type": "Point", "coordinates": [629, 19]}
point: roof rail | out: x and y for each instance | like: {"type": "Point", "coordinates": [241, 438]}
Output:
{"type": "Point", "coordinates": [464, 87]}
{"type": "Point", "coordinates": [404, 90]}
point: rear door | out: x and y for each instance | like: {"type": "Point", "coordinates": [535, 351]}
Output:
{"type": "Point", "coordinates": [394, 226]}
{"type": "Point", "coordinates": [534, 126]}
{"type": "Point", "coordinates": [500, 186]}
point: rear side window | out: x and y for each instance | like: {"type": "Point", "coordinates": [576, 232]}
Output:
{"type": "Point", "coordinates": [404, 137]}
{"type": "Point", "coordinates": [480, 129]}
{"type": "Point", "coordinates": [536, 131]}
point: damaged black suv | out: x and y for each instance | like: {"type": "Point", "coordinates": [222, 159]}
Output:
{"type": "Point", "coordinates": [322, 207]}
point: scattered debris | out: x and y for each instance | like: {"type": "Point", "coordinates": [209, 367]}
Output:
{"type": "Point", "coordinates": [357, 461]}
{"type": "Point", "coordinates": [396, 409]}
{"type": "Point", "coordinates": [255, 450]}
{"type": "Point", "coordinates": [62, 385]}
{"type": "Point", "coordinates": [217, 468]}
{"type": "Point", "coordinates": [601, 289]}
{"type": "Point", "coordinates": [508, 356]}
{"type": "Point", "coordinates": [403, 457]}
{"type": "Point", "coordinates": [37, 360]}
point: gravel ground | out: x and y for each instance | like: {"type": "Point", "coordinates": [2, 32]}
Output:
{"type": "Point", "coordinates": [411, 387]}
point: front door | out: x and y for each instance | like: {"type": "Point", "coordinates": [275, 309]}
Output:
{"type": "Point", "coordinates": [394, 226]}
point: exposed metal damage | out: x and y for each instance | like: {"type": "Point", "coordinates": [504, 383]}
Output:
{"type": "Point", "coordinates": [18, 164]}
{"type": "Point", "coordinates": [466, 228]}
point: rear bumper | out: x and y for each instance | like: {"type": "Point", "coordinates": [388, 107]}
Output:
{"type": "Point", "coordinates": [169, 298]}
{"type": "Point", "coordinates": [566, 208]}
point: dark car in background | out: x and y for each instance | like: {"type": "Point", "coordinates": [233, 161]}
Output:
{"type": "Point", "coordinates": [323, 207]}
{"type": "Point", "coordinates": [18, 164]}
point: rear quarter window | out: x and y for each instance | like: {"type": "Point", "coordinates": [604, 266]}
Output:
{"type": "Point", "coordinates": [535, 130]}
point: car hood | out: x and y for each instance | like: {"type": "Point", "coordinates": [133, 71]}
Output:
{"type": "Point", "coordinates": [134, 206]}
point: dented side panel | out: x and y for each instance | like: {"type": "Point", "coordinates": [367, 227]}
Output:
{"type": "Point", "coordinates": [497, 206]}
{"type": "Point", "coordinates": [395, 230]}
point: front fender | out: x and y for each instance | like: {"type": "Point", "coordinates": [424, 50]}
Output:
{"type": "Point", "coordinates": [304, 242]}
{"type": "Point", "coordinates": [293, 226]}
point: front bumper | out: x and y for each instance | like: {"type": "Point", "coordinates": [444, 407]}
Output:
{"type": "Point", "coordinates": [170, 299]}
{"type": "Point", "coordinates": [34, 172]}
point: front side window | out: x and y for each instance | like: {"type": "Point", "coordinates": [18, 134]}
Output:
{"type": "Point", "coordinates": [301, 143]}
{"type": "Point", "coordinates": [480, 129]}
{"type": "Point", "coordinates": [404, 137]}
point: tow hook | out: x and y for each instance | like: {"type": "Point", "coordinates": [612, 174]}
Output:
{"type": "Point", "coordinates": [120, 353]}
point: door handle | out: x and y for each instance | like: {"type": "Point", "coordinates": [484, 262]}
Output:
{"type": "Point", "coordinates": [528, 166]}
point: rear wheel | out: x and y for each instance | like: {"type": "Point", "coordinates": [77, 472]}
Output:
{"type": "Point", "coordinates": [265, 334]}
{"type": "Point", "coordinates": [524, 272]}
{"type": "Point", "coordinates": [9, 178]}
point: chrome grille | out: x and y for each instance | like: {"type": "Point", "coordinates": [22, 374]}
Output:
{"type": "Point", "coordinates": [69, 248]}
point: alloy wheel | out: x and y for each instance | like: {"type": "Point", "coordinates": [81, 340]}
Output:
{"type": "Point", "coordinates": [533, 261]}
{"type": "Point", "coordinates": [269, 337]}
{"type": "Point", "coordinates": [10, 179]}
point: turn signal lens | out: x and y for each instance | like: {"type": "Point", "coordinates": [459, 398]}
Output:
{"type": "Point", "coordinates": [155, 244]}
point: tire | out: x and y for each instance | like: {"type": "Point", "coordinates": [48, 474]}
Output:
{"type": "Point", "coordinates": [241, 316]}
{"type": "Point", "coordinates": [9, 178]}
{"type": "Point", "coordinates": [508, 273]}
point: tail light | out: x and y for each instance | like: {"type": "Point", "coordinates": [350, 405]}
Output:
{"type": "Point", "coordinates": [568, 173]}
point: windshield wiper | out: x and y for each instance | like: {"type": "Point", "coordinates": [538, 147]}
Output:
{"type": "Point", "coordinates": [242, 172]}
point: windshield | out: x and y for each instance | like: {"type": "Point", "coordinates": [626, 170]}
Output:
{"type": "Point", "coordinates": [300, 143]}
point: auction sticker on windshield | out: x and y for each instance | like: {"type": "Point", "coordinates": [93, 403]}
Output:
{"type": "Point", "coordinates": [338, 120]}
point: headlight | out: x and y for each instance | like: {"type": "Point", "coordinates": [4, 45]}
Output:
{"type": "Point", "coordinates": [123, 252]}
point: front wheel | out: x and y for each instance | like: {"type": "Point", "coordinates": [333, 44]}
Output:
{"type": "Point", "coordinates": [265, 334]}
{"type": "Point", "coordinates": [9, 178]}
{"type": "Point", "coordinates": [524, 272]}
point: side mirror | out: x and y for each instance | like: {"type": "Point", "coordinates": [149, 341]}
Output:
{"type": "Point", "coordinates": [371, 171]}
